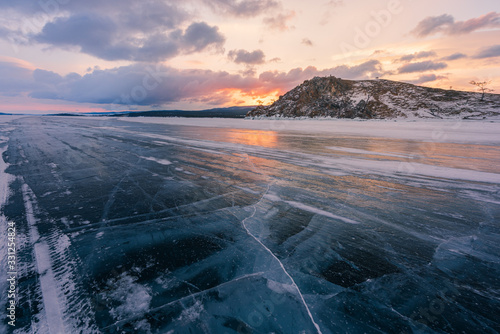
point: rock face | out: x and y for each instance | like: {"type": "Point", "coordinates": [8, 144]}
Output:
{"type": "Point", "coordinates": [338, 98]}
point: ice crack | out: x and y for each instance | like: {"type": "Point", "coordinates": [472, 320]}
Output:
{"type": "Point", "coordinates": [243, 222]}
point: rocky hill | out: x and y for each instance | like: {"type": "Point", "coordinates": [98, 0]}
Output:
{"type": "Point", "coordinates": [338, 98]}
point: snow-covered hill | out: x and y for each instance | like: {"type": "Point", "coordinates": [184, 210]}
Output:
{"type": "Point", "coordinates": [338, 98]}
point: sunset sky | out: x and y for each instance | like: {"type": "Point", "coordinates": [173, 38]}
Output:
{"type": "Point", "coordinates": [106, 55]}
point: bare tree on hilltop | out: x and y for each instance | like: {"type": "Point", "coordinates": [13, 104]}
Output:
{"type": "Point", "coordinates": [481, 86]}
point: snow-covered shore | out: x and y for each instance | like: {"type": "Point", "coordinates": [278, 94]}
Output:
{"type": "Point", "coordinates": [454, 131]}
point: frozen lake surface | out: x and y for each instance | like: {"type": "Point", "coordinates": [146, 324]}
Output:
{"type": "Point", "coordinates": [247, 226]}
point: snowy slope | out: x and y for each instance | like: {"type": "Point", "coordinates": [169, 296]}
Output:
{"type": "Point", "coordinates": [334, 97]}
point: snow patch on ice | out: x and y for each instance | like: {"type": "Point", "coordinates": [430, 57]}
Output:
{"type": "Point", "coordinates": [63, 243]}
{"type": "Point", "coordinates": [365, 152]}
{"type": "Point", "coordinates": [167, 282]}
{"type": "Point", "coordinates": [386, 167]}
{"type": "Point", "coordinates": [142, 326]}
{"type": "Point", "coordinates": [192, 313]}
{"type": "Point", "coordinates": [469, 246]}
{"type": "Point", "coordinates": [164, 162]}
{"type": "Point", "coordinates": [311, 209]}
{"type": "Point", "coordinates": [478, 196]}
{"type": "Point", "coordinates": [66, 222]}
{"type": "Point", "coordinates": [134, 299]}
{"type": "Point", "coordinates": [272, 197]}
{"type": "Point", "coordinates": [280, 288]}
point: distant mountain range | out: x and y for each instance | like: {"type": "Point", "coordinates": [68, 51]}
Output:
{"type": "Point", "coordinates": [367, 99]}
{"type": "Point", "coordinates": [231, 112]}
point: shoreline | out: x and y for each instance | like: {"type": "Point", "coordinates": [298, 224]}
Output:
{"type": "Point", "coordinates": [449, 131]}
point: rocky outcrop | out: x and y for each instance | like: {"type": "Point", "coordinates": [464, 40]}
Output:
{"type": "Point", "coordinates": [338, 98]}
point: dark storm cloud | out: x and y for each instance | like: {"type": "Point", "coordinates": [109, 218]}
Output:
{"type": "Point", "coordinates": [422, 67]}
{"type": "Point", "coordinates": [93, 34]}
{"type": "Point", "coordinates": [139, 84]}
{"type": "Point", "coordinates": [243, 8]}
{"type": "Point", "coordinates": [488, 52]}
{"type": "Point", "coordinates": [245, 57]}
{"type": "Point", "coordinates": [103, 38]}
{"type": "Point", "coordinates": [446, 24]}
{"type": "Point", "coordinates": [418, 55]}
{"type": "Point", "coordinates": [115, 30]}
{"type": "Point", "coordinates": [200, 35]}
{"type": "Point", "coordinates": [162, 12]}
{"type": "Point", "coordinates": [455, 56]}
{"type": "Point", "coordinates": [58, 7]}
